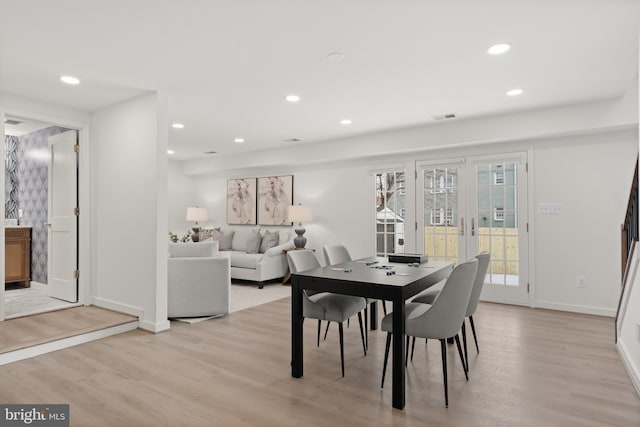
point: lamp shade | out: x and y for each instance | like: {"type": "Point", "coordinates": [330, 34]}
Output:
{"type": "Point", "coordinates": [197, 214]}
{"type": "Point", "coordinates": [299, 213]}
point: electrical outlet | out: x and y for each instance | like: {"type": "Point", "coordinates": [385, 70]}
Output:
{"type": "Point", "coordinates": [549, 209]}
{"type": "Point", "coordinates": [582, 282]}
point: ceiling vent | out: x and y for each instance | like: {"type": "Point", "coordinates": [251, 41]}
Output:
{"type": "Point", "coordinates": [444, 116]}
{"type": "Point", "coordinates": [210, 152]}
{"type": "Point", "coordinates": [12, 122]}
{"type": "Point", "coordinates": [293, 140]}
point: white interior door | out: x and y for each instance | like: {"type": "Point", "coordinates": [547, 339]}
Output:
{"type": "Point", "coordinates": [63, 220]}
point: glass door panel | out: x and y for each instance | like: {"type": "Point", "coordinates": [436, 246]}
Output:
{"type": "Point", "coordinates": [500, 202]}
{"type": "Point", "coordinates": [438, 223]}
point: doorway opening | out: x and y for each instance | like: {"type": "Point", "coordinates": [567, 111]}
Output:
{"type": "Point", "coordinates": [30, 260]}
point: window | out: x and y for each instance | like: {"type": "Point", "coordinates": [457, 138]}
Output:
{"type": "Point", "coordinates": [498, 214]}
{"type": "Point", "coordinates": [441, 216]}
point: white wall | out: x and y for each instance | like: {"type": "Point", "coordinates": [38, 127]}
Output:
{"type": "Point", "coordinates": [181, 195]}
{"type": "Point", "coordinates": [129, 209]}
{"type": "Point", "coordinates": [340, 198]}
{"type": "Point", "coordinates": [588, 175]}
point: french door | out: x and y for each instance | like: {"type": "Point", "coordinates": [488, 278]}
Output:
{"type": "Point", "coordinates": [475, 204]}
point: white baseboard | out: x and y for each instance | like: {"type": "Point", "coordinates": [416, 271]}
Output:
{"type": "Point", "coordinates": [632, 370]}
{"type": "Point", "coordinates": [37, 350]}
{"type": "Point", "coordinates": [117, 306]}
{"type": "Point", "coordinates": [584, 309]}
{"type": "Point", "coordinates": [155, 327]}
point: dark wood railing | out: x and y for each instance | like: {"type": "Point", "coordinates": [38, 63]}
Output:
{"type": "Point", "coordinates": [630, 225]}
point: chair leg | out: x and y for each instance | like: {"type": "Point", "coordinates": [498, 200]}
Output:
{"type": "Point", "coordinates": [319, 327]}
{"type": "Point", "coordinates": [366, 328]}
{"type": "Point", "coordinates": [443, 349]}
{"type": "Point", "coordinates": [386, 358]}
{"type": "Point", "coordinates": [473, 329]}
{"type": "Point", "coordinates": [413, 347]}
{"type": "Point", "coordinates": [464, 343]}
{"type": "Point", "coordinates": [340, 330]}
{"type": "Point", "coordinates": [364, 344]}
{"type": "Point", "coordinates": [326, 331]}
{"type": "Point", "coordinates": [464, 364]}
{"type": "Point", "coordinates": [348, 321]}
{"type": "Point", "coordinates": [384, 307]}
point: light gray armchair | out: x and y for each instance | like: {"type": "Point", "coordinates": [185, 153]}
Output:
{"type": "Point", "coordinates": [199, 280]}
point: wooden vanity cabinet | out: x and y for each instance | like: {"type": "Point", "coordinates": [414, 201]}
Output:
{"type": "Point", "coordinates": [17, 249]}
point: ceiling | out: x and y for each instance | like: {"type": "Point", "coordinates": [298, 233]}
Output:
{"type": "Point", "coordinates": [228, 65]}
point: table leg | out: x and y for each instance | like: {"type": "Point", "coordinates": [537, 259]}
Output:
{"type": "Point", "coordinates": [398, 353]}
{"type": "Point", "coordinates": [296, 330]}
{"type": "Point", "coordinates": [373, 308]}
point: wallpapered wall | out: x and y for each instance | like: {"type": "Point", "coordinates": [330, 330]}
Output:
{"type": "Point", "coordinates": [30, 183]}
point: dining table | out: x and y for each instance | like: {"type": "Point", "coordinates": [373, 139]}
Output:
{"type": "Point", "coordinates": [372, 277]}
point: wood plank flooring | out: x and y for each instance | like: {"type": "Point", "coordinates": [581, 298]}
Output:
{"type": "Point", "coordinates": [536, 368]}
{"type": "Point", "coordinates": [23, 332]}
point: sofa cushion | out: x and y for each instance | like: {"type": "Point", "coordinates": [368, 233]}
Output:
{"type": "Point", "coordinates": [239, 242]}
{"type": "Point", "coordinates": [253, 242]}
{"type": "Point", "coordinates": [269, 240]}
{"type": "Point", "coordinates": [190, 250]}
{"type": "Point", "coordinates": [223, 238]}
{"type": "Point", "coordinates": [242, 259]}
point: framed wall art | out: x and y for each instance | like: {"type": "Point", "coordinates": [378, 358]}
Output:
{"type": "Point", "coordinates": [275, 195]}
{"type": "Point", "coordinates": [241, 201]}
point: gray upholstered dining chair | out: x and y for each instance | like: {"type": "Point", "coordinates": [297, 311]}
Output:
{"type": "Point", "coordinates": [441, 320]}
{"type": "Point", "coordinates": [338, 254]}
{"type": "Point", "coordinates": [430, 295]}
{"type": "Point", "coordinates": [326, 305]}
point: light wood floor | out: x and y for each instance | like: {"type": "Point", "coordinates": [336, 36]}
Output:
{"type": "Point", "coordinates": [536, 368]}
{"type": "Point", "coordinates": [42, 328]}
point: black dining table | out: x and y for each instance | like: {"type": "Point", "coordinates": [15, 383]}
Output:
{"type": "Point", "coordinates": [370, 278]}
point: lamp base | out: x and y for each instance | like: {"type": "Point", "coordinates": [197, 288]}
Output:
{"type": "Point", "coordinates": [195, 237]}
{"type": "Point", "coordinates": [299, 241]}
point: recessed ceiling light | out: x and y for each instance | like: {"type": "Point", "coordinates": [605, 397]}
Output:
{"type": "Point", "coordinates": [345, 122]}
{"type": "Point", "coordinates": [514, 92]}
{"type": "Point", "coordinates": [170, 152]}
{"type": "Point", "coordinates": [292, 98]}
{"type": "Point", "coordinates": [70, 80]}
{"type": "Point", "coordinates": [499, 48]}
{"type": "Point", "coordinates": [177, 126]}
{"type": "Point", "coordinates": [335, 57]}
{"type": "Point", "coordinates": [239, 140]}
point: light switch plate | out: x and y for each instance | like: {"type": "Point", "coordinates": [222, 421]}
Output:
{"type": "Point", "coordinates": [549, 209]}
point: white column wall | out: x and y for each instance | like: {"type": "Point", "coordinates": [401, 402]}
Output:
{"type": "Point", "coordinates": [629, 337]}
{"type": "Point", "coordinates": [129, 211]}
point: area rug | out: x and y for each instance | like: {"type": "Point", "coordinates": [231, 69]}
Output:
{"type": "Point", "coordinates": [22, 302]}
{"type": "Point", "coordinates": [244, 295]}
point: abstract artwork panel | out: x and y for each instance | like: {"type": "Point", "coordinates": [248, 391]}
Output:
{"type": "Point", "coordinates": [241, 201]}
{"type": "Point", "coordinates": [275, 195]}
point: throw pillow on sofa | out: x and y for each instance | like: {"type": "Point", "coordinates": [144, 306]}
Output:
{"type": "Point", "coordinates": [253, 242]}
{"type": "Point", "coordinates": [223, 238]}
{"type": "Point", "coordinates": [269, 240]}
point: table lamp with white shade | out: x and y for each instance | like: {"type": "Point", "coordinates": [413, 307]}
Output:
{"type": "Point", "coordinates": [196, 214]}
{"type": "Point", "coordinates": [299, 213]}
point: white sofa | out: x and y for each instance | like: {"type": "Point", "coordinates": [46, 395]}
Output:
{"type": "Point", "coordinates": [258, 267]}
{"type": "Point", "coordinates": [199, 281]}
